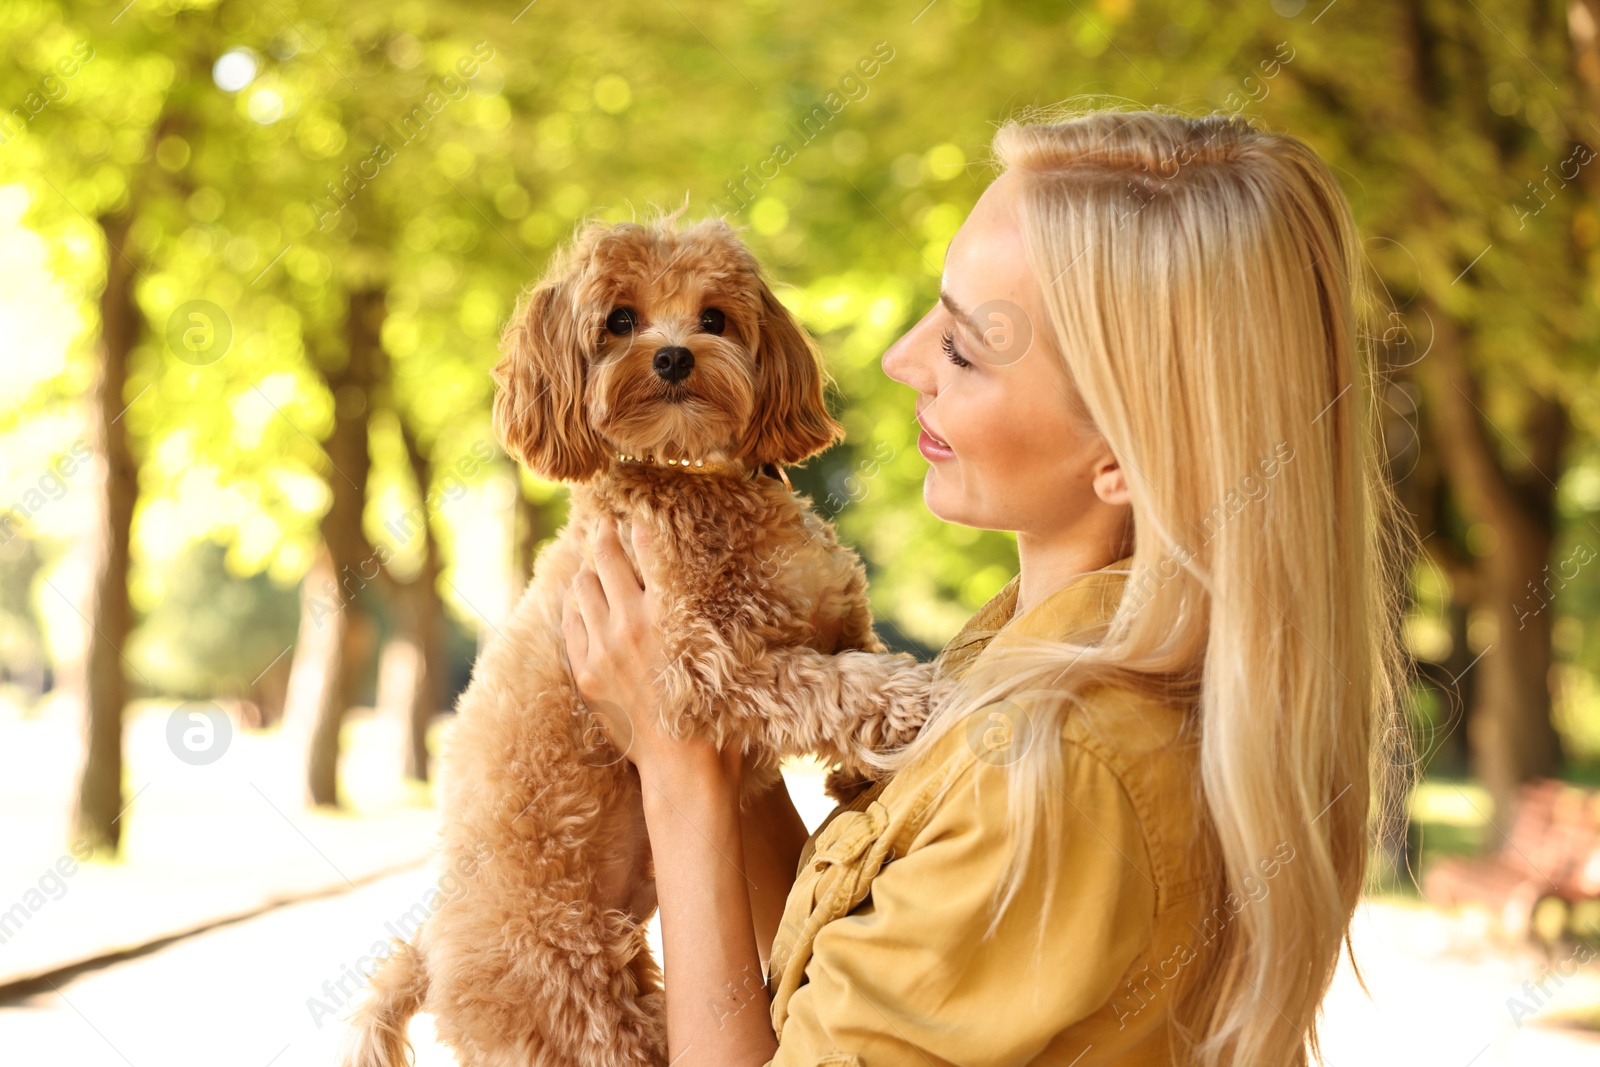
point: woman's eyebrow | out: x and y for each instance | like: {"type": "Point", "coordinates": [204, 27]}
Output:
{"type": "Point", "coordinates": [962, 315]}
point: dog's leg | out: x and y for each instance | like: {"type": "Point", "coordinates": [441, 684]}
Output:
{"type": "Point", "coordinates": [798, 700]}
{"type": "Point", "coordinates": [837, 706]}
{"type": "Point", "coordinates": [855, 630]}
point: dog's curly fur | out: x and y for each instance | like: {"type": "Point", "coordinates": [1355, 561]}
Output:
{"type": "Point", "coordinates": [539, 957]}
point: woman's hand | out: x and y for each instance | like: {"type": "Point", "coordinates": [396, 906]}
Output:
{"type": "Point", "coordinates": [611, 624]}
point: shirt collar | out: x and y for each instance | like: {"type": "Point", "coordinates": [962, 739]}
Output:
{"type": "Point", "coordinates": [1082, 605]}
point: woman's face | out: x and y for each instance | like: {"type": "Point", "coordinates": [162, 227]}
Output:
{"type": "Point", "coordinates": [1006, 449]}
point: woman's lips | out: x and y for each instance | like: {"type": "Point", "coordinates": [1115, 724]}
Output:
{"type": "Point", "coordinates": [932, 448]}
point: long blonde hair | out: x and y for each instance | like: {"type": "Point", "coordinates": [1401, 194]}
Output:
{"type": "Point", "coordinates": [1205, 288]}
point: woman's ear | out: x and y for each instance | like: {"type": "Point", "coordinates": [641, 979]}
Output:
{"type": "Point", "coordinates": [1109, 484]}
{"type": "Point", "coordinates": [791, 421]}
{"type": "Point", "coordinates": [539, 414]}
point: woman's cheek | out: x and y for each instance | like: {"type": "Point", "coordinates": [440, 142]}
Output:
{"type": "Point", "coordinates": [989, 439]}
{"type": "Point", "coordinates": [963, 423]}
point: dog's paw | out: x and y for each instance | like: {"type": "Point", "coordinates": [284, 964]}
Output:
{"type": "Point", "coordinates": [687, 692]}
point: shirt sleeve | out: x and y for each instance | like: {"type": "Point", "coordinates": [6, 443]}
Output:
{"type": "Point", "coordinates": [906, 978]}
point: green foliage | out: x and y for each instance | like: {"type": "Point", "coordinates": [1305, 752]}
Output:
{"type": "Point", "coordinates": [210, 632]}
{"type": "Point", "coordinates": [440, 151]}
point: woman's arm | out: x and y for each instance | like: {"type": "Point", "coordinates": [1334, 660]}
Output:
{"type": "Point", "coordinates": [773, 834]}
{"type": "Point", "coordinates": [717, 1007]}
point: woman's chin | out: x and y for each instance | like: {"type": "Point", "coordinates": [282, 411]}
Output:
{"type": "Point", "coordinates": [947, 501]}
{"type": "Point", "coordinates": [940, 493]}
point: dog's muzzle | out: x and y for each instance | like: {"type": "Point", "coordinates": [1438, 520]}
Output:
{"type": "Point", "coordinates": [673, 363]}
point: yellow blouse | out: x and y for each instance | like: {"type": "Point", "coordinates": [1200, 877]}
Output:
{"type": "Point", "coordinates": [879, 961]}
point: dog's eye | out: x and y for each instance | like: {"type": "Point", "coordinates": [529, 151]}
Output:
{"type": "Point", "coordinates": [621, 321]}
{"type": "Point", "coordinates": [713, 321]}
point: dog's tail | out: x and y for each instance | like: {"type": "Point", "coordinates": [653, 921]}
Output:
{"type": "Point", "coordinates": [377, 1036]}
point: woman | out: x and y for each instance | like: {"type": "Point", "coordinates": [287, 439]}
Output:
{"type": "Point", "coordinates": [1136, 829]}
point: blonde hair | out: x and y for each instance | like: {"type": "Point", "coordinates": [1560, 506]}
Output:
{"type": "Point", "coordinates": [1205, 288]}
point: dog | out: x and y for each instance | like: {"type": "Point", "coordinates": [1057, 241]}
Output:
{"type": "Point", "coordinates": [654, 371]}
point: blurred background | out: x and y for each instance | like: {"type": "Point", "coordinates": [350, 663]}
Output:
{"type": "Point", "coordinates": [254, 525]}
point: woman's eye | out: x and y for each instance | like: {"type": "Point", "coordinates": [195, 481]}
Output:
{"type": "Point", "coordinates": [713, 321]}
{"type": "Point", "coordinates": [621, 321]}
{"type": "Point", "coordinates": [948, 343]}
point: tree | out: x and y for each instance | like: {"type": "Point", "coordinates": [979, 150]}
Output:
{"type": "Point", "coordinates": [1492, 286]}
{"type": "Point", "coordinates": [107, 87]}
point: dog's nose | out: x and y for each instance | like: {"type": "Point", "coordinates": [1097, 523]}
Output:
{"type": "Point", "coordinates": [673, 363]}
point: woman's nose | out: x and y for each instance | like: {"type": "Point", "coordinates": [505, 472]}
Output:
{"type": "Point", "coordinates": [906, 361]}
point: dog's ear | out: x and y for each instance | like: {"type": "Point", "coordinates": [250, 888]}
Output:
{"type": "Point", "coordinates": [791, 422]}
{"type": "Point", "coordinates": [539, 414]}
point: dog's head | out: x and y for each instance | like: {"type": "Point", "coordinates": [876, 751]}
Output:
{"type": "Point", "coordinates": [649, 339]}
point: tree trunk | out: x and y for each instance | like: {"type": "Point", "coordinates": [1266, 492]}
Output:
{"type": "Point", "coordinates": [410, 673]}
{"type": "Point", "coordinates": [1519, 740]}
{"type": "Point", "coordinates": [1511, 735]}
{"type": "Point", "coordinates": [1425, 493]}
{"type": "Point", "coordinates": [270, 692]}
{"type": "Point", "coordinates": [529, 527]}
{"type": "Point", "coordinates": [97, 816]}
{"type": "Point", "coordinates": [319, 678]}
{"type": "Point", "coordinates": [351, 562]}
{"type": "Point", "coordinates": [423, 613]}
{"type": "Point", "coordinates": [1454, 679]}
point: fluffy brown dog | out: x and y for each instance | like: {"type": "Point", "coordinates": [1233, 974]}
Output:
{"type": "Point", "coordinates": [653, 369]}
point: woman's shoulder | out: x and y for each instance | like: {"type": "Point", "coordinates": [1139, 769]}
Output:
{"type": "Point", "coordinates": [1147, 742]}
{"type": "Point", "coordinates": [1129, 773]}
{"type": "Point", "coordinates": [1144, 745]}
{"type": "Point", "coordinates": [1152, 746]}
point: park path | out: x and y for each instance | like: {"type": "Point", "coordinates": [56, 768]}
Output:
{"type": "Point", "coordinates": [256, 993]}
{"type": "Point", "coordinates": [210, 842]}
{"type": "Point", "coordinates": [1446, 994]}
{"type": "Point", "coordinates": [248, 994]}
{"type": "Point", "coordinates": [203, 842]}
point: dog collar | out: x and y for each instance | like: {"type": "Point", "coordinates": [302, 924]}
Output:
{"type": "Point", "coordinates": [694, 466]}
{"type": "Point", "coordinates": [705, 466]}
